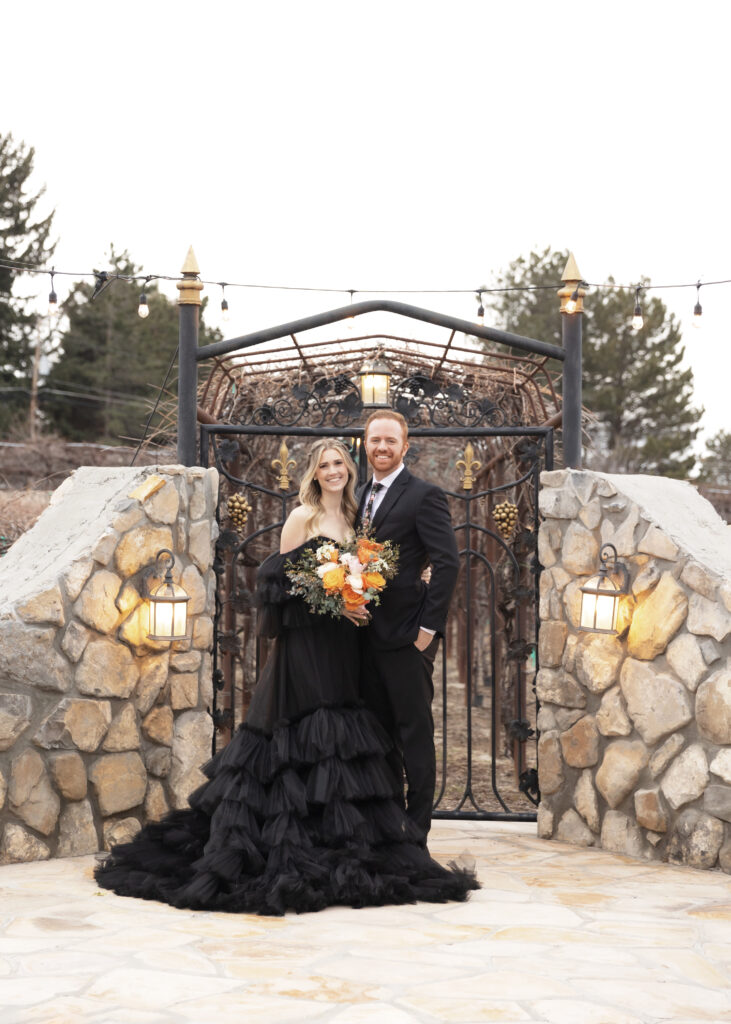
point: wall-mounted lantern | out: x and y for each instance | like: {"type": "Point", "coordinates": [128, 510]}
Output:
{"type": "Point", "coordinates": [168, 606]}
{"type": "Point", "coordinates": [375, 377]}
{"type": "Point", "coordinates": [600, 596]}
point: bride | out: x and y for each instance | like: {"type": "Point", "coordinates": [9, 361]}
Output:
{"type": "Point", "coordinates": [301, 810]}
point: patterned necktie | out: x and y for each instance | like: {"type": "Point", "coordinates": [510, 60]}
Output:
{"type": "Point", "coordinates": [375, 488]}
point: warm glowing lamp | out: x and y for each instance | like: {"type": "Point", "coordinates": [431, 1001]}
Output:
{"type": "Point", "coordinates": [375, 378]}
{"type": "Point", "coordinates": [168, 606]}
{"type": "Point", "coordinates": [600, 596]}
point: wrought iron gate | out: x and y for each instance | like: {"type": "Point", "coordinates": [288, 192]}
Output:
{"type": "Point", "coordinates": [485, 705]}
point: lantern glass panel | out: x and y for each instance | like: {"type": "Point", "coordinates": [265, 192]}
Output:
{"type": "Point", "coordinates": [168, 613]}
{"type": "Point", "coordinates": [599, 605]}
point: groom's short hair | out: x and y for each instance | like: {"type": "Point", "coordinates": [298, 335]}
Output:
{"type": "Point", "coordinates": [387, 414]}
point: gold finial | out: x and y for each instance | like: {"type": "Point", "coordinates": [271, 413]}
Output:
{"type": "Point", "coordinates": [470, 465]}
{"type": "Point", "coordinates": [572, 294]}
{"type": "Point", "coordinates": [283, 462]}
{"type": "Point", "coordinates": [190, 287]}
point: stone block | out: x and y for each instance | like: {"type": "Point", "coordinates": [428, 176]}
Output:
{"type": "Point", "coordinates": [545, 821]}
{"type": "Point", "coordinates": [597, 661]}
{"type": "Point", "coordinates": [153, 676]}
{"type": "Point", "coordinates": [31, 794]}
{"type": "Point", "coordinates": [206, 680]}
{"type": "Point", "coordinates": [192, 582]}
{"type": "Point", "coordinates": [585, 801]}
{"type": "Point", "coordinates": [717, 801]}
{"type": "Point", "coordinates": [583, 484]}
{"type": "Point", "coordinates": [709, 650]}
{"type": "Point", "coordinates": [157, 725]}
{"type": "Point", "coordinates": [657, 543]}
{"type": "Point", "coordinates": [646, 581]}
{"type": "Point", "coordinates": [74, 641]}
{"type": "Point", "coordinates": [566, 717]}
{"type": "Point", "coordinates": [664, 755]}
{"type": "Point", "coordinates": [620, 770]}
{"type": "Point", "coordinates": [107, 669]}
{"type": "Point", "coordinates": [621, 835]}
{"type": "Point", "coordinates": [621, 536]}
{"type": "Point", "coordinates": [15, 715]}
{"type": "Point", "coordinates": [611, 718]}
{"type": "Point", "coordinates": [76, 576]}
{"type": "Point", "coordinates": [650, 810]}
{"type": "Point", "coordinates": [546, 719]}
{"type": "Point", "coordinates": [69, 774]}
{"type": "Point", "coordinates": [580, 550]}
{"type": "Point", "coordinates": [200, 544]}
{"type": "Point", "coordinates": [558, 504]}
{"type": "Point", "coordinates": [708, 618]}
{"type": "Point", "coordinates": [156, 805]}
{"type": "Point", "coordinates": [104, 548]}
{"type": "Point", "coordinates": [550, 764]}
{"type": "Point", "coordinates": [3, 790]}
{"type": "Point", "coordinates": [96, 605]}
{"type": "Point", "coordinates": [580, 744]}
{"type": "Point", "coordinates": [657, 703]}
{"type": "Point", "coordinates": [183, 690]}
{"type": "Point", "coordinates": [28, 655]}
{"type": "Point", "coordinates": [19, 846]}
{"type": "Point", "coordinates": [549, 540]}
{"type": "Point", "coordinates": [197, 507]}
{"type": "Point", "coordinates": [605, 488]}
{"type": "Point", "coordinates": [572, 829]}
{"type": "Point", "coordinates": [119, 780]}
{"type": "Point", "coordinates": [724, 857]}
{"type": "Point", "coordinates": [721, 765]}
{"type": "Point", "coordinates": [687, 777]}
{"type": "Point", "coordinates": [121, 830]}
{"type": "Point", "coordinates": [75, 723]}
{"type": "Point", "coordinates": [123, 733]}
{"type": "Point", "coordinates": [572, 603]}
{"type": "Point", "coordinates": [203, 633]}
{"type": "Point", "coordinates": [77, 833]}
{"type": "Point", "coordinates": [191, 748]}
{"type": "Point", "coordinates": [555, 686]}
{"type": "Point", "coordinates": [713, 706]}
{"type": "Point", "coordinates": [162, 506]}
{"type": "Point", "coordinates": [591, 514]}
{"type": "Point", "coordinates": [551, 642]}
{"type": "Point", "coordinates": [185, 661]}
{"type": "Point", "coordinates": [134, 632]}
{"type": "Point", "coordinates": [699, 580]}
{"type": "Point", "coordinates": [657, 619]}
{"type": "Point", "coordinates": [695, 839]}
{"type": "Point", "coordinates": [138, 548]}
{"type": "Point", "coordinates": [159, 761]}
{"type": "Point", "coordinates": [685, 659]}
{"type": "Point", "coordinates": [149, 486]}
{"type": "Point", "coordinates": [128, 599]}
{"type": "Point", "coordinates": [46, 607]}
{"type": "Point", "coordinates": [128, 516]}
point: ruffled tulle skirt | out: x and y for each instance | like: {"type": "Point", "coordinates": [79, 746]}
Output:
{"type": "Point", "coordinates": [300, 818]}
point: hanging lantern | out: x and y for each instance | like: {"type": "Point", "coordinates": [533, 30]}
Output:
{"type": "Point", "coordinates": [375, 377]}
{"type": "Point", "coordinates": [600, 596]}
{"type": "Point", "coordinates": [168, 606]}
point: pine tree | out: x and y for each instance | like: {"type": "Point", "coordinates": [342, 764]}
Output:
{"type": "Point", "coordinates": [715, 465]}
{"type": "Point", "coordinates": [633, 381]}
{"type": "Point", "coordinates": [112, 362]}
{"type": "Point", "coordinates": [24, 239]}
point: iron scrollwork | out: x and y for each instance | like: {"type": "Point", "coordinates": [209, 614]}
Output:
{"type": "Point", "coordinates": [332, 401]}
{"type": "Point", "coordinates": [450, 405]}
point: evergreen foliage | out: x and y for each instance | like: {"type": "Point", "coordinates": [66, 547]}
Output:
{"type": "Point", "coordinates": [633, 381]}
{"type": "Point", "coordinates": [24, 238]}
{"type": "Point", "coordinates": [715, 465]}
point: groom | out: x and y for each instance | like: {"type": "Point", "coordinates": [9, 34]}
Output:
{"type": "Point", "coordinates": [401, 641]}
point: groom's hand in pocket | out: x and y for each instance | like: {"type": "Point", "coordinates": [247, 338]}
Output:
{"type": "Point", "coordinates": [423, 640]}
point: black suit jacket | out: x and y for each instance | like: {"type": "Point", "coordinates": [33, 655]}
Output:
{"type": "Point", "coordinates": [413, 514]}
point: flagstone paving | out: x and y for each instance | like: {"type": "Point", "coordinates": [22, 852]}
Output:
{"type": "Point", "coordinates": [557, 934]}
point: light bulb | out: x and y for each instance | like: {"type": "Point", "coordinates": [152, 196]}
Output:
{"type": "Point", "coordinates": [571, 305]}
{"type": "Point", "coordinates": [481, 315]}
{"type": "Point", "coordinates": [637, 320]}
{"type": "Point", "coordinates": [697, 315]}
{"type": "Point", "coordinates": [52, 303]}
{"type": "Point", "coordinates": [225, 315]}
{"type": "Point", "coordinates": [143, 310]}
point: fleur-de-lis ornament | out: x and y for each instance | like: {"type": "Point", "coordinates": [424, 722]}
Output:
{"type": "Point", "coordinates": [470, 465]}
{"type": "Point", "coordinates": [283, 464]}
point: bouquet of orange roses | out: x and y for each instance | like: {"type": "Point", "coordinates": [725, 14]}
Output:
{"type": "Point", "coordinates": [334, 578]}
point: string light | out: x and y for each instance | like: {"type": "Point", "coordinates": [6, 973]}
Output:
{"type": "Point", "coordinates": [52, 299]}
{"type": "Point", "coordinates": [225, 315]}
{"type": "Point", "coordinates": [697, 309]}
{"type": "Point", "coordinates": [573, 301]}
{"type": "Point", "coordinates": [480, 310]}
{"type": "Point", "coordinates": [637, 320]}
{"type": "Point", "coordinates": [143, 310]}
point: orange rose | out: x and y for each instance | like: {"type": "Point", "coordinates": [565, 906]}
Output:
{"type": "Point", "coordinates": [351, 597]}
{"type": "Point", "coordinates": [334, 578]}
{"type": "Point", "coordinates": [374, 580]}
{"type": "Point", "coordinates": [368, 550]}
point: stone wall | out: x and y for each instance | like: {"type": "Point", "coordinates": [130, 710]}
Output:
{"type": "Point", "coordinates": [102, 729]}
{"type": "Point", "coordinates": [635, 730]}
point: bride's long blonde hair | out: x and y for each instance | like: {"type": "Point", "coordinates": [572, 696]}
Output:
{"type": "Point", "coordinates": [310, 494]}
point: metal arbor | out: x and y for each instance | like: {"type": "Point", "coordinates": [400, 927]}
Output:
{"type": "Point", "coordinates": [481, 423]}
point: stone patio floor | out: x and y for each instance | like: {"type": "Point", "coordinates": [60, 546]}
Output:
{"type": "Point", "coordinates": [557, 934]}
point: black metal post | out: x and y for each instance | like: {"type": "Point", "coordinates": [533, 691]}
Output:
{"type": "Point", "coordinates": [189, 303]}
{"type": "Point", "coordinates": [571, 337]}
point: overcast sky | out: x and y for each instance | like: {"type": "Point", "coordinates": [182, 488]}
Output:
{"type": "Point", "coordinates": [391, 144]}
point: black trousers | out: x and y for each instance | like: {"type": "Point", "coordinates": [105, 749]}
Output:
{"type": "Point", "coordinates": [397, 687]}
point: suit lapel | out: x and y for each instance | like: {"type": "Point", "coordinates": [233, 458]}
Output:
{"type": "Point", "coordinates": [391, 496]}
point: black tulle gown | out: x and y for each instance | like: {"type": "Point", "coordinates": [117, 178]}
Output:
{"type": "Point", "coordinates": [301, 810]}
